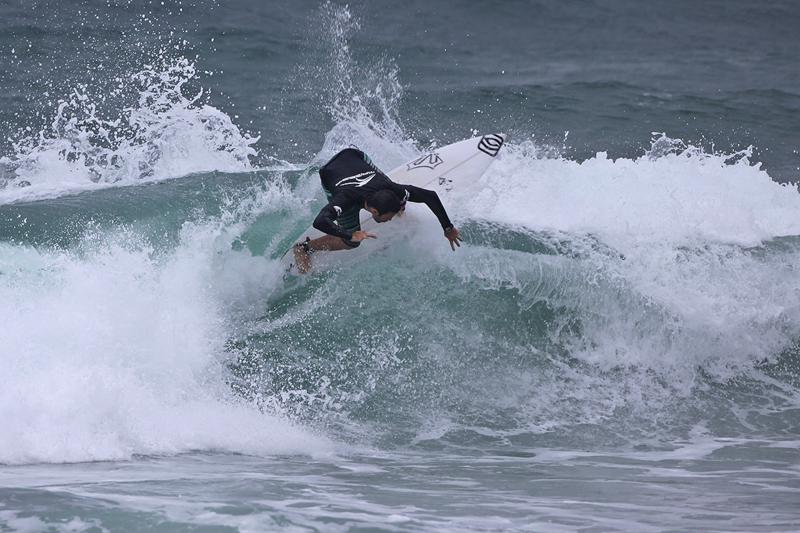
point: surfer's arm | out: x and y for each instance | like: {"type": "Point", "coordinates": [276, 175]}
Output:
{"type": "Point", "coordinates": [326, 220]}
{"type": "Point", "coordinates": [431, 199]}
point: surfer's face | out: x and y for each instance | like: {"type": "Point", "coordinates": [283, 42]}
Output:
{"type": "Point", "coordinates": [386, 217]}
{"type": "Point", "coordinates": [377, 217]}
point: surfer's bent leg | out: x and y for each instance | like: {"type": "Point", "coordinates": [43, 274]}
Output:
{"type": "Point", "coordinates": [349, 221]}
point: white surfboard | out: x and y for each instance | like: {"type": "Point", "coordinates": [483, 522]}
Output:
{"type": "Point", "coordinates": [442, 170]}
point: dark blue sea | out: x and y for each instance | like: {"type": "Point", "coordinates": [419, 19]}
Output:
{"type": "Point", "coordinates": [615, 347]}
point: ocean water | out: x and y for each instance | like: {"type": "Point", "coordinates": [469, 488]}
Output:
{"type": "Point", "coordinates": [614, 347]}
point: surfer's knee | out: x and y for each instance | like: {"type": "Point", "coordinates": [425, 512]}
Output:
{"type": "Point", "coordinates": [351, 244]}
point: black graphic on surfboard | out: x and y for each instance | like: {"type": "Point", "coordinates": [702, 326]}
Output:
{"type": "Point", "coordinates": [490, 144]}
{"type": "Point", "coordinates": [430, 161]}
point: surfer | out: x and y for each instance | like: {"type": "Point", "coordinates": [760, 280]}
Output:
{"type": "Point", "coordinates": [352, 183]}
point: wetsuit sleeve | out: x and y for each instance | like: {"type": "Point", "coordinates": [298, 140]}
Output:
{"type": "Point", "coordinates": [429, 198]}
{"type": "Point", "coordinates": [326, 219]}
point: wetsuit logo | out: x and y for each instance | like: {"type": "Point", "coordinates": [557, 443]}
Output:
{"type": "Point", "coordinates": [359, 180]}
{"type": "Point", "coordinates": [430, 161]}
{"type": "Point", "coordinates": [490, 144]}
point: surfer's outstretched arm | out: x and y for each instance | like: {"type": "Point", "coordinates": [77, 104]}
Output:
{"type": "Point", "coordinates": [431, 199]}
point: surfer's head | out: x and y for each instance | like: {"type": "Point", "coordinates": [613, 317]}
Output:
{"type": "Point", "coordinates": [384, 205]}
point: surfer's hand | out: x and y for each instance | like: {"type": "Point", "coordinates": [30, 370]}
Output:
{"type": "Point", "coordinates": [359, 236]}
{"type": "Point", "coordinates": [454, 236]}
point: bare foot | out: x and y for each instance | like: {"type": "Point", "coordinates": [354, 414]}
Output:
{"type": "Point", "coordinates": [302, 258]}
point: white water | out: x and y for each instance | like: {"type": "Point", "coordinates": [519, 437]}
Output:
{"type": "Point", "coordinates": [112, 351]}
{"type": "Point", "coordinates": [167, 133]}
{"type": "Point", "coordinates": [678, 196]}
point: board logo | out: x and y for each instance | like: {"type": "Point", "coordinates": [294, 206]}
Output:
{"type": "Point", "coordinates": [430, 161]}
{"type": "Point", "coordinates": [490, 144]}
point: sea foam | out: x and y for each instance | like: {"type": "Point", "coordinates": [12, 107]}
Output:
{"type": "Point", "coordinates": [112, 350]}
{"type": "Point", "coordinates": [167, 132]}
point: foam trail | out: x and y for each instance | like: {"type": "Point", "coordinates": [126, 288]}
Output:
{"type": "Point", "coordinates": [684, 196]}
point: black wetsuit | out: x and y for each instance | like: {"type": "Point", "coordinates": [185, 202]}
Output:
{"type": "Point", "coordinates": [349, 179]}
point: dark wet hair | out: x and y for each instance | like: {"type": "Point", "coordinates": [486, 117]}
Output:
{"type": "Point", "coordinates": [385, 201]}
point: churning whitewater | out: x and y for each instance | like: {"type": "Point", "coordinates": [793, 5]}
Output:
{"type": "Point", "coordinates": [614, 347]}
